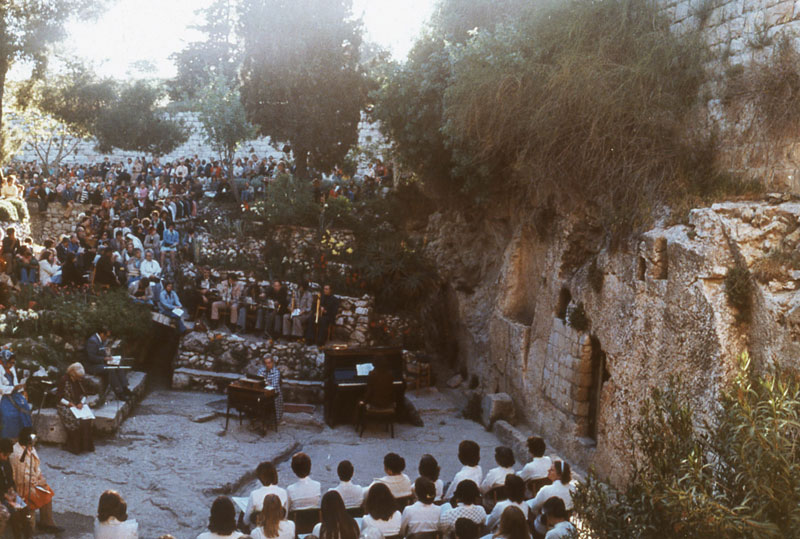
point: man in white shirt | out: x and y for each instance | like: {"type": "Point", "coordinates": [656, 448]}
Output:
{"type": "Point", "coordinates": [352, 494]}
{"type": "Point", "coordinates": [559, 527]}
{"type": "Point", "coordinates": [496, 477]}
{"type": "Point", "coordinates": [538, 468]}
{"type": "Point", "coordinates": [469, 454]}
{"type": "Point", "coordinates": [149, 268]}
{"type": "Point", "coordinates": [268, 476]}
{"type": "Point", "coordinates": [305, 492]}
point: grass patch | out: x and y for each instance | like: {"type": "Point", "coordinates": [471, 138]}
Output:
{"type": "Point", "coordinates": [770, 87]}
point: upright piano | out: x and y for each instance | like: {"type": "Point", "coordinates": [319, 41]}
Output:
{"type": "Point", "coordinates": [345, 374]}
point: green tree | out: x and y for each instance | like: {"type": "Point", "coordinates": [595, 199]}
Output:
{"type": "Point", "coordinates": [217, 55]}
{"type": "Point", "coordinates": [301, 78]}
{"type": "Point", "coordinates": [224, 120]}
{"type": "Point", "coordinates": [28, 29]}
{"type": "Point", "coordinates": [136, 121]}
{"type": "Point", "coordinates": [736, 476]}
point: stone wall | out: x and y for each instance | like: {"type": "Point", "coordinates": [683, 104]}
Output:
{"type": "Point", "coordinates": [661, 311]}
{"type": "Point", "coordinates": [85, 152]}
{"type": "Point", "coordinates": [55, 222]}
{"type": "Point", "coordinates": [740, 32]}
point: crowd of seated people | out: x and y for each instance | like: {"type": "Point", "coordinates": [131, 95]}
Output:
{"type": "Point", "coordinates": [390, 507]}
{"type": "Point", "coordinates": [532, 503]}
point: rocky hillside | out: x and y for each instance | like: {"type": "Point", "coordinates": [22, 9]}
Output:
{"type": "Point", "coordinates": [579, 334]}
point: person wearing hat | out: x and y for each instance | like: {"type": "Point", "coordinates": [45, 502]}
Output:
{"type": "Point", "coordinates": [15, 412]}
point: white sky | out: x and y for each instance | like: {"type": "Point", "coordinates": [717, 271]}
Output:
{"type": "Point", "coordinates": [150, 30]}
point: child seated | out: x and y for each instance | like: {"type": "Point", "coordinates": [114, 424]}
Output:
{"type": "Point", "coordinates": [268, 476]}
{"type": "Point", "coordinates": [351, 494]}
{"type": "Point", "coordinates": [305, 492]}
{"type": "Point", "coordinates": [536, 471]}
{"type": "Point", "coordinates": [496, 477]}
{"type": "Point", "coordinates": [398, 482]}
{"type": "Point", "coordinates": [469, 454]}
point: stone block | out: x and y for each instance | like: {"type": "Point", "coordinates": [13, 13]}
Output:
{"type": "Point", "coordinates": [511, 437]}
{"type": "Point", "coordinates": [455, 381]}
{"type": "Point", "coordinates": [495, 406]}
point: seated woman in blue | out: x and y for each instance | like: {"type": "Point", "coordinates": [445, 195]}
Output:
{"type": "Point", "coordinates": [15, 412]}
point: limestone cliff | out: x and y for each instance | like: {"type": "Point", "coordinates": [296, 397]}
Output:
{"type": "Point", "coordinates": [655, 307]}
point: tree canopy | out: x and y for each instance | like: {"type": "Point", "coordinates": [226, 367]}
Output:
{"type": "Point", "coordinates": [301, 80]}
{"type": "Point", "coordinates": [28, 29]}
{"type": "Point", "coordinates": [135, 121]}
{"type": "Point", "coordinates": [215, 56]}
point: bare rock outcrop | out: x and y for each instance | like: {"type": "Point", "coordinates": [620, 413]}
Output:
{"type": "Point", "coordinates": [578, 342]}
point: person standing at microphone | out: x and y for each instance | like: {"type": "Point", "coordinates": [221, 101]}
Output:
{"type": "Point", "coordinates": [29, 481]}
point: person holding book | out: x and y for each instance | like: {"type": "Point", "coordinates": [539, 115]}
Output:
{"type": "Point", "coordinates": [71, 398]}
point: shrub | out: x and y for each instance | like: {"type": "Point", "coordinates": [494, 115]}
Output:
{"type": "Point", "coordinates": [771, 86]}
{"type": "Point", "coordinates": [577, 319]}
{"type": "Point", "coordinates": [8, 212]}
{"type": "Point", "coordinates": [709, 481]}
{"type": "Point", "coordinates": [595, 276]}
{"type": "Point", "coordinates": [23, 215]}
{"type": "Point", "coordinates": [739, 291]}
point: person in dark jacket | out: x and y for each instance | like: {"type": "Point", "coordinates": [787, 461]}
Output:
{"type": "Point", "coordinates": [98, 359]}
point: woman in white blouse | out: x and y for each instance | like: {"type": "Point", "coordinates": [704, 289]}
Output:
{"type": "Point", "coordinates": [112, 518]}
{"type": "Point", "coordinates": [562, 487]}
{"type": "Point", "coordinates": [271, 521]}
{"type": "Point", "coordinates": [222, 522]}
{"type": "Point", "coordinates": [381, 511]}
{"type": "Point", "coordinates": [515, 490]}
{"type": "Point", "coordinates": [422, 516]}
{"type": "Point", "coordinates": [49, 270]}
{"type": "Point", "coordinates": [429, 469]}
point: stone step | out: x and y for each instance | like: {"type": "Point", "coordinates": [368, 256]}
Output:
{"type": "Point", "coordinates": [299, 391]}
{"type": "Point", "coordinates": [109, 417]}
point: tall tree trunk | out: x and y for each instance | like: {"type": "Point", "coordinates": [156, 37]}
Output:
{"type": "Point", "coordinates": [3, 71]}
{"type": "Point", "coordinates": [300, 162]}
{"type": "Point", "coordinates": [228, 156]}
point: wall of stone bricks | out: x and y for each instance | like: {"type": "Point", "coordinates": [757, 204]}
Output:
{"type": "Point", "coordinates": [85, 152]}
{"type": "Point", "coordinates": [55, 222]}
{"type": "Point", "coordinates": [738, 33]}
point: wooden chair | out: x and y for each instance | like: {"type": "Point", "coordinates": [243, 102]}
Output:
{"type": "Point", "coordinates": [200, 309]}
{"type": "Point", "coordinates": [356, 512]}
{"type": "Point", "coordinates": [305, 519]}
{"type": "Point", "coordinates": [387, 416]}
{"type": "Point", "coordinates": [405, 501]}
{"type": "Point", "coordinates": [494, 495]}
{"type": "Point", "coordinates": [424, 535]}
{"type": "Point", "coordinates": [533, 485]}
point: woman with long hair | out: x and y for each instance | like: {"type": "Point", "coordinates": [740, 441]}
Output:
{"type": "Point", "coordinates": [513, 524]}
{"type": "Point", "coordinates": [336, 522]}
{"type": "Point", "coordinates": [272, 523]}
{"type": "Point", "coordinates": [381, 509]}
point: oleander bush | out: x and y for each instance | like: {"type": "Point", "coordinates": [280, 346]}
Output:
{"type": "Point", "coordinates": [731, 476]}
